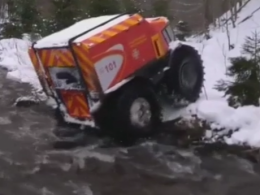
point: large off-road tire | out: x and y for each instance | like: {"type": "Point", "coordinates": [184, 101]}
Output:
{"type": "Point", "coordinates": [185, 77]}
{"type": "Point", "coordinates": [132, 112]}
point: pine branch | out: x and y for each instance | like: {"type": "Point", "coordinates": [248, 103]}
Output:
{"type": "Point", "coordinates": [245, 71]}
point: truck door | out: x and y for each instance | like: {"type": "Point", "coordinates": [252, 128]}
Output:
{"type": "Point", "coordinates": [66, 82]}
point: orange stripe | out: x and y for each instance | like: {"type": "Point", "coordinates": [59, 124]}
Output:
{"type": "Point", "coordinates": [69, 103]}
{"type": "Point", "coordinates": [34, 60]}
{"type": "Point", "coordinates": [69, 57]}
{"type": "Point", "coordinates": [86, 73]}
{"type": "Point", "coordinates": [114, 30]}
{"type": "Point", "coordinates": [81, 102]}
{"type": "Point", "coordinates": [82, 106]}
{"type": "Point", "coordinates": [65, 60]}
{"type": "Point", "coordinates": [88, 81]}
{"type": "Point", "coordinates": [42, 55]}
{"type": "Point", "coordinates": [86, 43]}
{"type": "Point", "coordinates": [80, 113]}
{"type": "Point", "coordinates": [75, 112]}
{"type": "Point", "coordinates": [131, 22]}
{"type": "Point", "coordinates": [74, 104]}
{"type": "Point", "coordinates": [84, 68]}
{"type": "Point", "coordinates": [84, 110]}
{"type": "Point", "coordinates": [105, 36]}
{"type": "Point", "coordinates": [86, 65]}
{"type": "Point", "coordinates": [110, 33]}
{"type": "Point", "coordinates": [85, 62]}
{"type": "Point", "coordinates": [81, 51]}
{"type": "Point", "coordinates": [120, 27]}
{"type": "Point", "coordinates": [52, 58]}
{"type": "Point", "coordinates": [97, 39]}
{"type": "Point", "coordinates": [47, 55]}
{"type": "Point", "coordinates": [85, 113]}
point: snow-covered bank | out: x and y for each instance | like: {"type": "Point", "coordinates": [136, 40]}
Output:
{"type": "Point", "coordinates": [214, 109]}
{"type": "Point", "coordinates": [15, 58]}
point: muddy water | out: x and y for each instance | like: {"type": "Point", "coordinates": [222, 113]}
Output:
{"type": "Point", "coordinates": [162, 165]}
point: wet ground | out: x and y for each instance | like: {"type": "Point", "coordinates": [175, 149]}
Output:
{"type": "Point", "coordinates": [164, 165]}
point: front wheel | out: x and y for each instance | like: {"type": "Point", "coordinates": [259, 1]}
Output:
{"type": "Point", "coordinates": [135, 112]}
{"type": "Point", "coordinates": [186, 74]}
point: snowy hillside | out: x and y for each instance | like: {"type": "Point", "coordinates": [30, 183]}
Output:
{"type": "Point", "coordinates": [214, 107]}
{"type": "Point", "coordinates": [211, 107]}
{"type": "Point", "coordinates": [14, 57]}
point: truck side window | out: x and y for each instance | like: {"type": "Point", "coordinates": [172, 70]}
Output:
{"type": "Point", "coordinates": [65, 78]}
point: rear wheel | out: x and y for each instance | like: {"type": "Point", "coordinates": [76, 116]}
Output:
{"type": "Point", "coordinates": [133, 112]}
{"type": "Point", "coordinates": [186, 75]}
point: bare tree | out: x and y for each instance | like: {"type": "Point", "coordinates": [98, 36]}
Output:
{"type": "Point", "coordinates": [3, 10]}
{"type": "Point", "coordinates": [233, 12]}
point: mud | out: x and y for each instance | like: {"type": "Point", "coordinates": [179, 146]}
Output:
{"type": "Point", "coordinates": [167, 164]}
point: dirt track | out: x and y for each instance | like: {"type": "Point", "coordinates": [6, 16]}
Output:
{"type": "Point", "coordinates": [29, 165]}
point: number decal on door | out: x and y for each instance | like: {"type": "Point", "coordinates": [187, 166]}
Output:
{"type": "Point", "coordinates": [107, 69]}
{"type": "Point", "coordinates": [110, 67]}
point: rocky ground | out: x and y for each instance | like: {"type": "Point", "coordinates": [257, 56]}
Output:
{"type": "Point", "coordinates": [165, 165]}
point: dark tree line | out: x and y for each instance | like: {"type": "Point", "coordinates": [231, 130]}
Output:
{"type": "Point", "coordinates": [24, 16]}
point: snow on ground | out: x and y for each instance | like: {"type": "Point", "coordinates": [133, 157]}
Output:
{"type": "Point", "coordinates": [211, 107]}
{"type": "Point", "coordinates": [15, 58]}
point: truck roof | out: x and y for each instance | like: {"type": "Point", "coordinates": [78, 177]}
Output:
{"type": "Point", "coordinates": [61, 38]}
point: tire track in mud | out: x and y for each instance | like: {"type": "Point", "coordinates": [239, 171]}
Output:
{"type": "Point", "coordinates": [162, 165]}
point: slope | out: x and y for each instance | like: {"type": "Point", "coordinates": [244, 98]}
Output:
{"type": "Point", "coordinates": [243, 123]}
